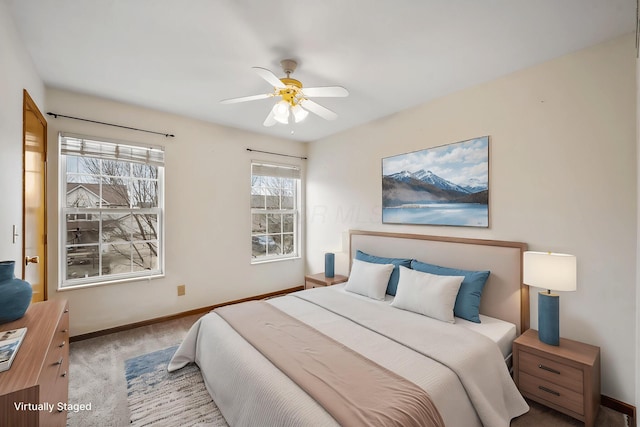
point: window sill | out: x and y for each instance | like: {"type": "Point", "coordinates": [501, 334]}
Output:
{"type": "Point", "coordinates": [267, 261]}
{"type": "Point", "coordinates": [63, 288]}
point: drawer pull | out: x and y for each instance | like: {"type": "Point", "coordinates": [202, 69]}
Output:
{"type": "Point", "coordinates": [64, 374]}
{"type": "Point", "coordinates": [546, 368]}
{"type": "Point", "coordinates": [548, 390]}
{"type": "Point", "coordinates": [66, 310]}
{"type": "Point", "coordinates": [59, 362]}
{"type": "Point", "coordinates": [64, 331]}
{"type": "Point", "coordinates": [62, 344]}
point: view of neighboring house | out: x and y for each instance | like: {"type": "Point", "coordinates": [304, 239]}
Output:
{"type": "Point", "coordinates": [87, 253]}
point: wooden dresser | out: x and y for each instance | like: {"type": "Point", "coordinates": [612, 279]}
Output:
{"type": "Point", "coordinates": [565, 377]}
{"type": "Point", "coordinates": [39, 373]}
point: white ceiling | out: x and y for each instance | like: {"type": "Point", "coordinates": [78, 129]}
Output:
{"type": "Point", "coordinates": [185, 56]}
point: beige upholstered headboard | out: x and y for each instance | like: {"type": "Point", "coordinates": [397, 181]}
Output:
{"type": "Point", "coordinates": [504, 297]}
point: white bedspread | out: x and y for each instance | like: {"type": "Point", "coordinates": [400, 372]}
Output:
{"type": "Point", "coordinates": [465, 374]}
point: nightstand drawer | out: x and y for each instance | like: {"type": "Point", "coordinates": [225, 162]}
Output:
{"type": "Point", "coordinates": [310, 285]}
{"type": "Point", "coordinates": [552, 371]}
{"type": "Point", "coordinates": [551, 392]}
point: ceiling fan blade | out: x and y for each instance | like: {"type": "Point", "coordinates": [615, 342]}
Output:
{"type": "Point", "coordinates": [271, 78]}
{"type": "Point", "coordinates": [245, 98]}
{"type": "Point", "coordinates": [318, 109]}
{"type": "Point", "coordinates": [270, 120]}
{"type": "Point", "coordinates": [329, 91]}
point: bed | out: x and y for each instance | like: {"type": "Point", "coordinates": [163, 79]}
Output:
{"type": "Point", "coordinates": [462, 366]}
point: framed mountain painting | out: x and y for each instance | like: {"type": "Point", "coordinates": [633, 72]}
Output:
{"type": "Point", "coordinates": [446, 185]}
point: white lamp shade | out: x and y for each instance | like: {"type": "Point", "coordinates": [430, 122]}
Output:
{"type": "Point", "coordinates": [281, 112]}
{"type": "Point", "coordinates": [299, 113]}
{"type": "Point", "coordinates": [550, 270]}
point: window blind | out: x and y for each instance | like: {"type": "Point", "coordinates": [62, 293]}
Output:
{"type": "Point", "coordinates": [78, 145]}
{"type": "Point", "coordinates": [260, 169]}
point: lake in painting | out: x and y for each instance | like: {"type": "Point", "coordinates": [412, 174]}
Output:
{"type": "Point", "coordinates": [446, 185]}
{"type": "Point", "coordinates": [462, 214]}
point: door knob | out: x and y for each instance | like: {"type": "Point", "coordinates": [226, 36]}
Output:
{"type": "Point", "coordinates": [31, 259]}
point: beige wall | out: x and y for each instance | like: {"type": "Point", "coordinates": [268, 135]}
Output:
{"type": "Point", "coordinates": [17, 73]}
{"type": "Point", "coordinates": [562, 178]}
{"type": "Point", "coordinates": [207, 178]}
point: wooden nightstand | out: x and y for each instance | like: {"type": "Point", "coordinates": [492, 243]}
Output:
{"type": "Point", "coordinates": [565, 377]}
{"type": "Point", "coordinates": [317, 280]}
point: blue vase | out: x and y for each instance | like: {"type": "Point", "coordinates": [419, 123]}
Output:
{"type": "Point", "coordinates": [15, 294]}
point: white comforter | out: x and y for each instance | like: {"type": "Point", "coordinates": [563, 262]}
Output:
{"type": "Point", "coordinates": [463, 371]}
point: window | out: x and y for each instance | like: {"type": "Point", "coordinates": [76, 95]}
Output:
{"type": "Point", "coordinates": [274, 211]}
{"type": "Point", "coordinates": [111, 211]}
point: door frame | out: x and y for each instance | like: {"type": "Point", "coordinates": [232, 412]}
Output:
{"type": "Point", "coordinates": [29, 104]}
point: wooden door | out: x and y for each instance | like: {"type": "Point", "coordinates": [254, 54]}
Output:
{"type": "Point", "coordinates": [34, 223]}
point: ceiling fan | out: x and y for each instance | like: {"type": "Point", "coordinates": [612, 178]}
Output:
{"type": "Point", "coordinates": [294, 100]}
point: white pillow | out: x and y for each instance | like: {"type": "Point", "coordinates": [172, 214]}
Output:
{"type": "Point", "coordinates": [369, 279]}
{"type": "Point", "coordinates": [427, 294]}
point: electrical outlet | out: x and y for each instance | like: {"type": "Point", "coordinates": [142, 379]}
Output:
{"type": "Point", "coordinates": [181, 290]}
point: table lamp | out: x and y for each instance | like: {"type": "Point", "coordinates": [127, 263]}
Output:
{"type": "Point", "coordinates": [329, 264]}
{"type": "Point", "coordinates": [554, 272]}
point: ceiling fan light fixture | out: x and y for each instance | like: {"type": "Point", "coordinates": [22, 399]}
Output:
{"type": "Point", "coordinates": [293, 103]}
{"type": "Point", "coordinates": [281, 112]}
{"type": "Point", "coordinates": [299, 113]}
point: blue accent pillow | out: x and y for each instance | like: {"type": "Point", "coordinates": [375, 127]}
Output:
{"type": "Point", "coordinates": [468, 300]}
{"type": "Point", "coordinates": [395, 274]}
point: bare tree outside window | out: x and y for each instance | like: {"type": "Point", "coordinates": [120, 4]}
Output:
{"type": "Point", "coordinates": [112, 217]}
{"type": "Point", "coordinates": [274, 211]}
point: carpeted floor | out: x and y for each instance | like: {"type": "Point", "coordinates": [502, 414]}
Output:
{"type": "Point", "coordinates": [540, 415]}
{"type": "Point", "coordinates": [158, 397]}
{"type": "Point", "coordinates": [97, 367]}
{"type": "Point", "coordinates": [97, 376]}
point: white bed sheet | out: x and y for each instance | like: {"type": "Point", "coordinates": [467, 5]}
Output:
{"type": "Point", "coordinates": [501, 332]}
{"type": "Point", "coordinates": [233, 373]}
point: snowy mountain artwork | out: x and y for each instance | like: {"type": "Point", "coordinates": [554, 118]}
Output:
{"type": "Point", "coordinates": [446, 185]}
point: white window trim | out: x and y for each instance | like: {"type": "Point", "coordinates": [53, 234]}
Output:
{"type": "Point", "coordinates": [65, 284]}
{"type": "Point", "coordinates": [297, 211]}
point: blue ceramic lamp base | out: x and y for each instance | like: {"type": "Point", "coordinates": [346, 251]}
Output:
{"type": "Point", "coordinates": [549, 318]}
{"type": "Point", "coordinates": [329, 264]}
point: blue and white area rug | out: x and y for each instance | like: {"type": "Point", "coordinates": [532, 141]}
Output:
{"type": "Point", "coordinates": [158, 398]}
